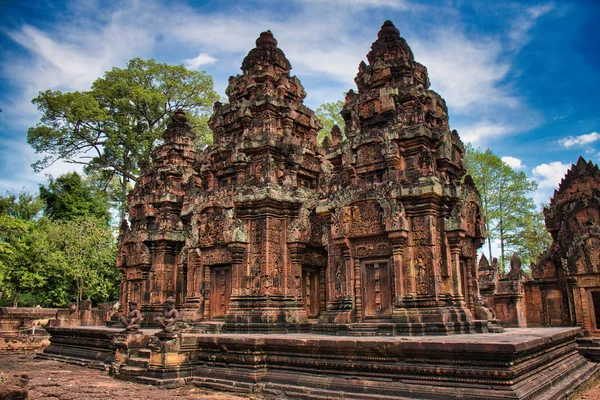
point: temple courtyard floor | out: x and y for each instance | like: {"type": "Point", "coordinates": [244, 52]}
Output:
{"type": "Point", "coordinates": [60, 381]}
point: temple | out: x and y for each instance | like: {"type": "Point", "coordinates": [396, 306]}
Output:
{"type": "Point", "coordinates": [358, 257]}
{"type": "Point", "coordinates": [267, 230]}
{"type": "Point", "coordinates": [566, 278]}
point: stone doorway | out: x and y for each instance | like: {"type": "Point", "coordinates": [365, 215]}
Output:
{"type": "Point", "coordinates": [220, 291]}
{"type": "Point", "coordinates": [594, 310]}
{"type": "Point", "coordinates": [377, 294]}
{"type": "Point", "coordinates": [310, 291]}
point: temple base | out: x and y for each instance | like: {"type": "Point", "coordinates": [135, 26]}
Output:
{"type": "Point", "coordinates": [265, 314]}
{"type": "Point", "coordinates": [517, 364]}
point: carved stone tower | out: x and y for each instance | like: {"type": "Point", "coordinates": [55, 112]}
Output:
{"type": "Point", "coordinates": [405, 228]}
{"type": "Point", "coordinates": [250, 219]}
{"type": "Point", "coordinates": [150, 257]}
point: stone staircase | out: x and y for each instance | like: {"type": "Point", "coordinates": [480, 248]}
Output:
{"type": "Point", "coordinates": [137, 363]}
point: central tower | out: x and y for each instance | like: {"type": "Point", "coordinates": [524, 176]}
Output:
{"type": "Point", "coordinates": [260, 182]}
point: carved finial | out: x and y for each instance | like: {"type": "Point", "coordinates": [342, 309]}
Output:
{"type": "Point", "coordinates": [388, 29]}
{"type": "Point", "coordinates": [179, 116]}
{"type": "Point", "coordinates": [266, 39]}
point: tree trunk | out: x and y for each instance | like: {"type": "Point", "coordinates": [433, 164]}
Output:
{"type": "Point", "coordinates": [16, 299]}
{"type": "Point", "coordinates": [80, 294]}
{"type": "Point", "coordinates": [124, 184]}
{"type": "Point", "coordinates": [502, 246]}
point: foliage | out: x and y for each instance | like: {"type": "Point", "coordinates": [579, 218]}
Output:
{"type": "Point", "coordinates": [69, 197]}
{"type": "Point", "coordinates": [22, 205]}
{"type": "Point", "coordinates": [512, 217]}
{"type": "Point", "coordinates": [67, 257]}
{"type": "Point", "coordinates": [329, 115]}
{"type": "Point", "coordinates": [86, 250]}
{"type": "Point", "coordinates": [23, 259]}
{"type": "Point", "coordinates": [113, 128]}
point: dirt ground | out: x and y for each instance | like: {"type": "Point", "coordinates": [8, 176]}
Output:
{"type": "Point", "coordinates": [59, 381]}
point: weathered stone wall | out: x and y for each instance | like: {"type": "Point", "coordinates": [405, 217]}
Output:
{"type": "Point", "coordinates": [533, 304]}
{"type": "Point", "coordinates": [15, 319]}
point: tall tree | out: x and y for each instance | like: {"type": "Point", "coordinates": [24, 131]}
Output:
{"type": "Point", "coordinates": [329, 114]}
{"type": "Point", "coordinates": [70, 196]}
{"type": "Point", "coordinates": [113, 128]}
{"type": "Point", "coordinates": [512, 218]}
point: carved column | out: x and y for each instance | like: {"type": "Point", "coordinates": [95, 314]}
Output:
{"type": "Point", "coordinates": [238, 252]}
{"type": "Point", "coordinates": [358, 308]}
{"type": "Point", "coordinates": [296, 252]}
{"type": "Point", "coordinates": [399, 241]}
{"type": "Point", "coordinates": [454, 239]}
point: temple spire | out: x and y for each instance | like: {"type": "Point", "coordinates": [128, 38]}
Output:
{"type": "Point", "coordinates": [265, 53]}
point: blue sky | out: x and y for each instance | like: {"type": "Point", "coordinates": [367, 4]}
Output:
{"type": "Point", "coordinates": [522, 78]}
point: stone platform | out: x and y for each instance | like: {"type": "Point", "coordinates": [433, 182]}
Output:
{"type": "Point", "coordinates": [540, 363]}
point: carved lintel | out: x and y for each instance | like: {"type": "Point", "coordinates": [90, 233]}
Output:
{"type": "Point", "coordinates": [398, 238]}
{"type": "Point", "coordinates": [296, 251]}
{"type": "Point", "coordinates": [237, 250]}
{"type": "Point", "coordinates": [455, 239]}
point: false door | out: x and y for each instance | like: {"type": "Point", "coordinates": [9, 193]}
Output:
{"type": "Point", "coordinates": [310, 291]}
{"type": "Point", "coordinates": [377, 290]}
{"type": "Point", "coordinates": [220, 291]}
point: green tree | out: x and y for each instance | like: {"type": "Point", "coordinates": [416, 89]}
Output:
{"type": "Point", "coordinates": [70, 196]}
{"type": "Point", "coordinates": [113, 128]}
{"type": "Point", "coordinates": [512, 217]}
{"type": "Point", "coordinates": [87, 252]}
{"type": "Point", "coordinates": [329, 115]}
{"type": "Point", "coordinates": [22, 205]}
{"type": "Point", "coordinates": [25, 256]}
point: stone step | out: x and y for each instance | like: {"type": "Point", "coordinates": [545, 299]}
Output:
{"type": "Point", "coordinates": [137, 362]}
{"type": "Point", "coordinates": [131, 371]}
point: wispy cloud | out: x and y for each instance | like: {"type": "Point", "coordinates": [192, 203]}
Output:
{"type": "Point", "coordinates": [468, 70]}
{"type": "Point", "coordinates": [524, 22]}
{"type": "Point", "coordinates": [580, 140]}
{"type": "Point", "coordinates": [465, 71]}
{"type": "Point", "coordinates": [392, 4]}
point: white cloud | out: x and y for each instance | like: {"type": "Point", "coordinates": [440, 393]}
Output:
{"type": "Point", "coordinates": [468, 70]}
{"type": "Point", "coordinates": [479, 132]}
{"type": "Point", "coordinates": [514, 163]}
{"type": "Point", "coordinates": [201, 59]}
{"type": "Point", "coordinates": [465, 71]}
{"type": "Point", "coordinates": [548, 176]}
{"type": "Point", "coordinates": [580, 140]}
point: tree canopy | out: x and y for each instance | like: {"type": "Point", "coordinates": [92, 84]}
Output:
{"type": "Point", "coordinates": [70, 196]}
{"type": "Point", "coordinates": [329, 114]}
{"type": "Point", "coordinates": [512, 218]}
{"type": "Point", "coordinates": [113, 128]}
{"type": "Point", "coordinates": [65, 255]}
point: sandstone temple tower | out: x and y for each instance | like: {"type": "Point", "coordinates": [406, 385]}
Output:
{"type": "Point", "coordinates": [404, 228]}
{"type": "Point", "coordinates": [566, 286]}
{"type": "Point", "coordinates": [265, 230]}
